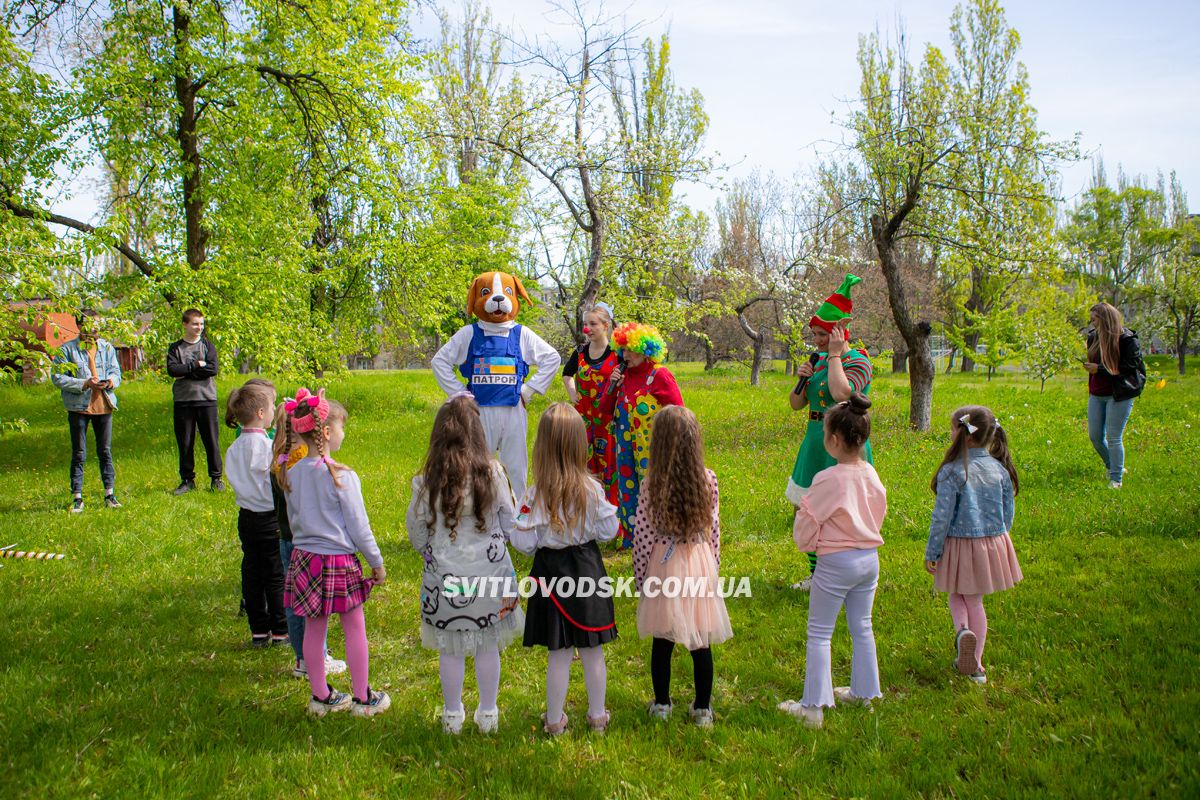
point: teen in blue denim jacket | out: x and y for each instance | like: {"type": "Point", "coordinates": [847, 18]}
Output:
{"type": "Point", "coordinates": [87, 372]}
{"type": "Point", "coordinates": [969, 552]}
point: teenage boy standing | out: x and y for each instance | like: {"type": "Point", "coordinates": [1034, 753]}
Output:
{"type": "Point", "coordinates": [192, 362]}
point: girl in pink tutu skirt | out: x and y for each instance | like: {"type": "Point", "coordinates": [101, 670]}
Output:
{"type": "Point", "coordinates": [969, 552]}
{"type": "Point", "coordinates": [676, 554]}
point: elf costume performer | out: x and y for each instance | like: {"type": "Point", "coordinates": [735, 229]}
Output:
{"type": "Point", "coordinates": [641, 389]}
{"type": "Point", "coordinates": [584, 374]}
{"type": "Point", "coordinates": [495, 354]}
{"type": "Point", "coordinates": [834, 359]}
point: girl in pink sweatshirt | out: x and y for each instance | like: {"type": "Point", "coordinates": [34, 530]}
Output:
{"type": "Point", "coordinates": [840, 519]}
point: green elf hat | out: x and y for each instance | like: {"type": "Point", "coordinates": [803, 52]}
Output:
{"type": "Point", "coordinates": [837, 307]}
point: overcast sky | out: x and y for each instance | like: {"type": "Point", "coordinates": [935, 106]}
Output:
{"type": "Point", "coordinates": [1124, 74]}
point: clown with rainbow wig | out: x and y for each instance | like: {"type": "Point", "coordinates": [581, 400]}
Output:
{"type": "Point", "coordinates": [632, 396]}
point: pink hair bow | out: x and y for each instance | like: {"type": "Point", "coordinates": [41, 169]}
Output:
{"type": "Point", "coordinates": [316, 402]}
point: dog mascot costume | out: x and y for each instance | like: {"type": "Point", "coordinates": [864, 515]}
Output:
{"type": "Point", "coordinates": [494, 355]}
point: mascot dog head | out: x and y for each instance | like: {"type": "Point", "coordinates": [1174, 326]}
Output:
{"type": "Point", "coordinates": [493, 297]}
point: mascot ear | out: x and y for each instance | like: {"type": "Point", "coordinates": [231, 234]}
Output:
{"type": "Point", "coordinates": [524, 295]}
{"type": "Point", "coordinates": [473, 294]}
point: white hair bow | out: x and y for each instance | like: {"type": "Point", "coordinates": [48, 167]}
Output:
{"type": "Point", "coordinates": [965, 419]}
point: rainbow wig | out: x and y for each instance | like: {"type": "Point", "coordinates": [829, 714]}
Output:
{"type": "Point", "coordinates": [641, 338]}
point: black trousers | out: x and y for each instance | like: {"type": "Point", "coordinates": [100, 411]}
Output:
{"type": "Point", "coordinates": [189, 419]}
{"type": "Point", "coordinates": [262, 572]}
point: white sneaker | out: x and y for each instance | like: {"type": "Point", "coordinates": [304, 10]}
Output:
{"type": "Point", "coordinates": [842, 695]}
{"type": "Point", "coordinates": [812, 716]}
{"type": "Point", "coordinates": [333, 666]}
{"type": "Point", "coordinates": [1114, 484]}
{"type": "Point", "coordinates": [376, 703]}
{"type": "Point", "coordinates": [487, 721]}
{"type": "Point", "coordinates": [335, 701]}
{"type": "Point", "coordinates": [452, 721]}
{"type": "Point", "coordinates": [659, 710]}
{"type": "Point", "coordinates": [701, 717]}
{"type": "Point", "coordinates": [803, 586]}
{"type": "Point", "coordinates": [979, 677]}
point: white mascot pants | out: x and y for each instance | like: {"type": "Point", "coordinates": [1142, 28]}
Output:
{"type": "Point", "coordinates": [506, 430]}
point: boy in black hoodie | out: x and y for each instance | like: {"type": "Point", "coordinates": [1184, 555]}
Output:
{"type": "Point", "coordinates": [192, 362]}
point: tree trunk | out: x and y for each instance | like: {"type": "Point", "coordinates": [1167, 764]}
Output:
{"type": "Point", "coordinates": [196, 241]}
{"type": "Point", "coordinates": [758, 339]}
{"type": "Point", "coordinates": [971, 341]}
{"type": "Point", "coordinates": [710, 355]}
{"type": "Point", "coordinates": [899, 361]}
{"type": "Point", "coordinates": [915, 333]}
{"type": "Point", "coordinates": [950, 360]}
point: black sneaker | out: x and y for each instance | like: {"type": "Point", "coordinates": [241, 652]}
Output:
{"type": "Point", "coordinates": [184, 487]}
{"type": "Point", "coordinates": [217, 485]}
{"type": "Point", "coordinates": [77, 505]}
{"type": "Point", "coordinates": [260, 641]}
{"type": "Point", "coordinates": [111, 501]}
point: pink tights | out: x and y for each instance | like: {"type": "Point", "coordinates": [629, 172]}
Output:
{"type": "Point", "coordinates": [967, 612]}
{"type": "Point", "coordinates": [354, 625]}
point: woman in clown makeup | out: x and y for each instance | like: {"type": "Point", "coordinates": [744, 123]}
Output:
{"type": "Point", "coordinates": [632, 396]}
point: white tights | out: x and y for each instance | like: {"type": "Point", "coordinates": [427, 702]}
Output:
{"type": "Point", "coordinates": [453, 671]}
{"type": "Point", "coordinates": [558, 677]}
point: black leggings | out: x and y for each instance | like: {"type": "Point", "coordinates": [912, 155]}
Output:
{"type": "Point", "coordinates": [660, 673]}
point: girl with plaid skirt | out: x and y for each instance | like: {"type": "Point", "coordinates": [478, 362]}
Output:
{"type": "Point", "coordinates": [329, 526]}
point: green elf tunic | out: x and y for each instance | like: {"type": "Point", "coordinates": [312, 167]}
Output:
{"type": "Point", "coordinates": [813, 457]}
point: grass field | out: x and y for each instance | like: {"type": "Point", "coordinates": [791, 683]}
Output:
{"type": "Point", "coordinates": [127, 672]}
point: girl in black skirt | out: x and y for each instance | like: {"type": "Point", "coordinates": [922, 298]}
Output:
{"type": "Point", "coordinates": [561, 518]}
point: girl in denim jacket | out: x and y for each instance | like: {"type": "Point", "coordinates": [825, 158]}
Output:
{"type": "Point", "coordinates": [969, 552]}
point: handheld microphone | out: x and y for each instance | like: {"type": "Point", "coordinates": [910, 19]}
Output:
{"type": "Point", "coordinates": [612, 385]}
{"type": "Point", "coordinates": [813, 358]}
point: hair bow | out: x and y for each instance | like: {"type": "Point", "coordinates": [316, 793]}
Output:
{"type": "Point", "coordinates": [316, 402]}
{"type": "Point", "coordinates": [965, 419]}
{"type": "Point", "coordinates": [458, 394]}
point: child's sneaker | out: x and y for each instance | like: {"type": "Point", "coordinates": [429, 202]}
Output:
{"type": "Point", "coordinates": [487, 721]}
{"type": "Point", "coordinates": [843, 695]}
{"type": "Point", "coordinates": [77, 505]}
{"type": "Point", "coordinates": [978, 677]}
{"type": "Point", "coordinates": [452, 721]}
{"type": "Point", "coordinates": [376, 703]}
{"type": "Point", "coordinates": [812, 716]}
{"type": "Point", "coordinates": [965, 643]}
{"type": "Point", "coordinates": [278, 639]}
{"type": "Point", "coordinates": [111, 501]}
{"type": "Point", "coordinates": [557, 729]}
{"type": "Point", "coordinates": [803, 586]}
{"type": "Point", "coordinates": [1114, 484]}
{"type": "Point", "coordinates": [260, 641]}
{"type": "Point", "coordinates": [300, 670]}
{"type": "Point", "coordinates": [334, 666]}
{"type": "Point", "coordinates": [599, 724]}
{"type": "Point", "coordinates": [336, 701]}
{"type": "Point", "coordinates": [659, 710]}
{"type": "Point", "coordinates": [701, 717]}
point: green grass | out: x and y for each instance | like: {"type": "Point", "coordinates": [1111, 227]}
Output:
{"type": "Point", "coordinates": [126, 671]}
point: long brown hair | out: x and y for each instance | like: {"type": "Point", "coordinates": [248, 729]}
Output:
{"type": "Point", "coordinates": [677, 483]}
{"type": "Point", "coordinates": [283, 444]}
{"type": "Point", "coordinates": [988, 433]}
{"type": "Point", "coordinates": [1106, 347]}
{"type": "Point", "coordinates": [560, 467]}
{"type": "Point", "coordinates": [458, 461]}
{"type": "Point", "coordinates": [315, 439]}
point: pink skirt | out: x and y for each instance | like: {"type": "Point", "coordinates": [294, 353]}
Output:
{"type": "Point", "coordinates": [695, 615]}
{"type": "Point", "coordinates": [977, 566]}
{"type": "Point", "coordinates": [318, 585]}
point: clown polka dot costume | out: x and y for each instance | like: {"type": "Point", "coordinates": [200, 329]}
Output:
{"type": "Point", "coordinates": [647, 387]}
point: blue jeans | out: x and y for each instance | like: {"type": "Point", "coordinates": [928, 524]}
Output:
{"type": "Point", "coordinates": [102, 429]}
{"type": "Point", "coordinates": [1106, 423]}
{"type": "Point", "coordinates": [295, 622]}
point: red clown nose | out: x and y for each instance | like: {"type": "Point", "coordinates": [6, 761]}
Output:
{"type": "Point", "coordinates": [586, 330]}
